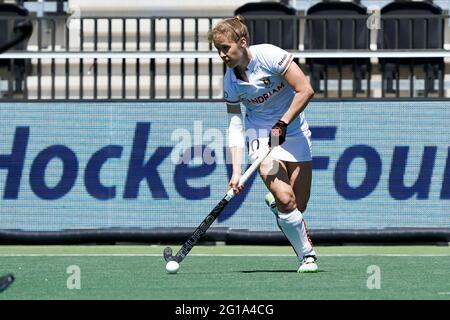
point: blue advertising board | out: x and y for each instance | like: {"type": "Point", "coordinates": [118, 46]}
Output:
{"type": "Point", "coordinates": [88, 165]}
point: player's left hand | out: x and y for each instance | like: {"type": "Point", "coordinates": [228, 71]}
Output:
{"type": "Point", "coordinates": [278, 134]}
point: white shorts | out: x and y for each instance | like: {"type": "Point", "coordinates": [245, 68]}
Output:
{"type": "Point", "coordinates": [295, 149]}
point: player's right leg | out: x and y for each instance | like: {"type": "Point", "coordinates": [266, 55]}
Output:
{"type": "Point", "coordinates": [289, 218]}
{"type": "Point", "coordinates": [308, 261]}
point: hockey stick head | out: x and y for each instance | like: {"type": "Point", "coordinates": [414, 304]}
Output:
{"type": "Point", "coordinates": [168, 254]}
{"type": "Point", "coordinates": [5, 281]}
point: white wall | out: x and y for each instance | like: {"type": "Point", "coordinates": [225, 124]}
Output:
{"type": "Point", "coordinates": [157, 7]}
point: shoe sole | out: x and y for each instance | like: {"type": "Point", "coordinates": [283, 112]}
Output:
{"type": "Point", "coordinates": [308, 271]}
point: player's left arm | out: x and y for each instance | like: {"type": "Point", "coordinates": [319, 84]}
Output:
{"type": "Point", "coordinates": [303, 92]}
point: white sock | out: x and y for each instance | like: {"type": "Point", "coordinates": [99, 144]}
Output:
{"type": "Point", "coordinates": [294, 229]}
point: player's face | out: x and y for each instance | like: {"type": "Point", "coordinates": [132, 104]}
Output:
{"type": "Point", "coordinates": [229, 51]}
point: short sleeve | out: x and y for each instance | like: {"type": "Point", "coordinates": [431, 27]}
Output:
{"type": "Point", "coordinates": [229, 91]}
{"type": "Point", "coordinates": [277, 59]}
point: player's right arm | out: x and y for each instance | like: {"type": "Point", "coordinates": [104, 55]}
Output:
{"type": "Point", "coordinates": [235, 143]}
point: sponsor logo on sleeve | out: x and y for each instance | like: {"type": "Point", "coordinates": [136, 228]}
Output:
{"type": "Point", "coordinates": [282, 60]}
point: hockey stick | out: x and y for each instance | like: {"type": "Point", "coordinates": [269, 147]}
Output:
{"type": "Point", "coordinates": [5, 281]}
{"type": "Point", "coordinates": [212, 216]}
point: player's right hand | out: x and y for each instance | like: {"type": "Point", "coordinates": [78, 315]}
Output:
{"type": "Point", "coordinates": [234, 183]}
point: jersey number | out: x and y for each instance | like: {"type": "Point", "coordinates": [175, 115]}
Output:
{"type": "Point", "coordinates": [254, 145]}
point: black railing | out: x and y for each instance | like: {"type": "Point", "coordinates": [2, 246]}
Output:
{"type": "Point", "coordinates": [193, 76]}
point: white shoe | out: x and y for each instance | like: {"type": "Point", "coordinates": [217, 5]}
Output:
{"type": "Point", "coordinates": [270, 201]}
{"type": "Point", "coordinates": [308, 265]}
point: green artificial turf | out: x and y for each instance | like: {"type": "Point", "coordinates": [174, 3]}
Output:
{"type": "Point", "coordinates": [226, 272]}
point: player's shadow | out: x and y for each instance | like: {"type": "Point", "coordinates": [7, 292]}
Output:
{"type": "Point", "coordinates": [274, 271]}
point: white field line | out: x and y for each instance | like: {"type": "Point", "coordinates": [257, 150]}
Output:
{"type": "Point", "coordinates": [210, 255]}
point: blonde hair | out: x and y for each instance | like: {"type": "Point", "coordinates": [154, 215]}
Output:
{"type": "Point", "coordinates": [235, 28]}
